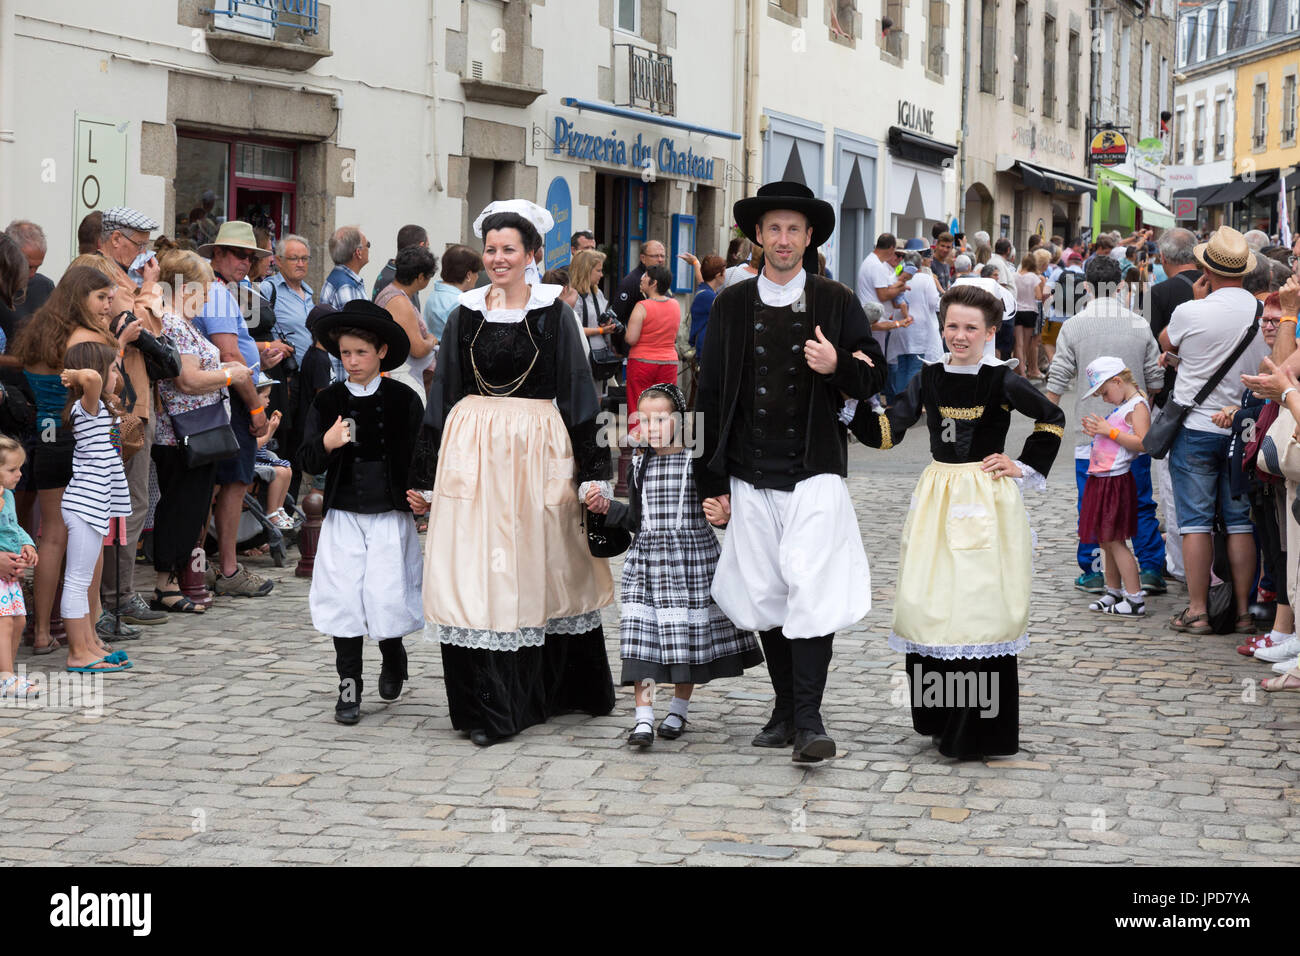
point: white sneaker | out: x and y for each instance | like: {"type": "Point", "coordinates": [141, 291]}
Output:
{"type": "Point", "coordinates": [1279, 652]}
{"type": "Point", "coordinates": [1283, 666]}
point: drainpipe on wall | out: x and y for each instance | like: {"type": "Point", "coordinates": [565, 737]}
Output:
{"type": "Point", "coordinates": [962, 175]}
{"type": "Point", "coordinates": [756, 8]}
{"type": "Point", "coordinates": [431, 99]}
{"type": "Point", "coordinates": [7, 148]}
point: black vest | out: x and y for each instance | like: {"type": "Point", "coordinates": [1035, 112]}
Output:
{"type": "Point", "coordinates": [768, 437]}
{"type": "Point", "coordinates": [363, 477]}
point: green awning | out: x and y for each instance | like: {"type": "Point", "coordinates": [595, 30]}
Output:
{"type": "Point", "coordinates": [1153, 214]}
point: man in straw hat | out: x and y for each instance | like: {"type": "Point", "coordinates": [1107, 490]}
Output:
{"type": "Point", "coordinates": [778, 359]}
{"type": "Point", "coordinates": [1203, 333]}
{"type": "Point", "coordinates": [222, 322]}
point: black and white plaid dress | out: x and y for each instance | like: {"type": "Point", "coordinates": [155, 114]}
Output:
{"type": "Point", "coordinates": [672, 631]}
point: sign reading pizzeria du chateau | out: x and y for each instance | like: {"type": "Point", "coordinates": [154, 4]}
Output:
{"type": "Point", "coordinates": [631, 148]}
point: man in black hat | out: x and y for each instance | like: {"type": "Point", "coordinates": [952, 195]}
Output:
{"type": "Point", "coordinates": [776, 365]}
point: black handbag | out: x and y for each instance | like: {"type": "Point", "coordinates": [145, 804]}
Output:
{"type": "Point", "coordinates": [1166, 424]}
{"type": "Point", "coordinates": [605, 363]}
{"type": "Point", "coordinates": [204, 435]}
{"type": "Point", "coordinates": [604, 540]}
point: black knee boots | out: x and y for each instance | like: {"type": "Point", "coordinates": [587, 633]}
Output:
{"type": "Point", "coordinates": [347, 657]}
{"type": "Point", "coordinates": [393, 671]}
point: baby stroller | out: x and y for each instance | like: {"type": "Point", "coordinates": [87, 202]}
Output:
{"type": "Point", "coordinates": [256, 529]}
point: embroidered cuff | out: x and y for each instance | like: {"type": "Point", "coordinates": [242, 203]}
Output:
{"type": "Point", "coordinates": [849, 410]}
{"type": "Point", "coordinates": [606, 489]}
{"type": "Point", "coordinates": [1030, 480]}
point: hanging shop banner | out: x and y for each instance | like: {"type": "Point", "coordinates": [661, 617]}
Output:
{"type": "Point", "coordinates": [559, 203]}
{"type": "Point", "coordinates": [1109, 148]}
{"type": "Point", "coordinates": [99, 174]}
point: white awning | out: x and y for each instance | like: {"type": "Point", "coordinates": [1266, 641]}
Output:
{"type": "Point", "coordinates": [1153, 214]}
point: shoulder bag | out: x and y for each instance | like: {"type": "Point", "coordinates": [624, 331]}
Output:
{"type": "Point", "coordinates": [204, 435]}
{"type": "Point", "coordinates": [1167, 423]}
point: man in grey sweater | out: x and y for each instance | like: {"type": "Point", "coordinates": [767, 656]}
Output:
{"type": "Point", "coordinates": [1104, 327]}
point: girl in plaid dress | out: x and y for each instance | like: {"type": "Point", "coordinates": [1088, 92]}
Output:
{"type": "Point", "coordinates": [672, 631]}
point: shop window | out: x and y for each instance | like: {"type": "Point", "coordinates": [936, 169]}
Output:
{"type": "Point", "coordinates": [988, 46]}
{"type": "Point", "coordinates": [237, 179]}
{"type": "Point", "coordinates": [1020, 72]}
{"type": "Point", "coordinates": [1049, 67]}
{"type": "Point", "coordinates": [1074, 61]}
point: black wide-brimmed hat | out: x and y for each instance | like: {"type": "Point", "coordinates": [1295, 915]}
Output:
{"type": "Point", "coordinates": [364, 314]}
{"type": "Point", "coordinates": [785, 195]}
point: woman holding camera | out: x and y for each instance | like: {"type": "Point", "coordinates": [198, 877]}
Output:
{"type": "Point", "coordinates": [586, 270]}
{"type": "Point", "coordinates": [77, 311]}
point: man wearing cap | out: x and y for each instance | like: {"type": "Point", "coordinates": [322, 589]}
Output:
{"type": "Point", "coordinates": [124, 244]}
{"type": "Point", "coordinates": [1104, 327]}
{"type": "Point", "coordinates": [222, 322]}
{"type": "Point", "coordinates": [776, 363]}
{"type": "Point", "coordinates": [1203, 333]}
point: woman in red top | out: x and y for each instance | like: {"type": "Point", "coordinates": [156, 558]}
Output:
{"type": "Point", "coordinates": [652, 337]}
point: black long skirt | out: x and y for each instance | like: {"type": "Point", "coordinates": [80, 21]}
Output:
{"type": "Point", "coordinates": [970, 707]}
{"type": "Point", "coordinates": [503, 692]}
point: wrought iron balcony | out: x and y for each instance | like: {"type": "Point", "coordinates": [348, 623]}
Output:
{"type": "Point", "coordinates": [648, 81]}
{"type": "Point", "coordinates": [263, 17]}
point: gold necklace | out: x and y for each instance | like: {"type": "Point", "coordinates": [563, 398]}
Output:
{"type": "Point", "coordinates": [512, 386]}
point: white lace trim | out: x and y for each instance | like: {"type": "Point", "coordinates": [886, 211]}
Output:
{"type": "Point", "coordinates": [1030, 480]}
{"type": "Point", "coordinates": [488, 640]}
{"type": "Point", "coordinates": [674, 615]}
{"type": "Point", "coordinates": [950, 652]}
{"type": "Point", "coordinates": [606, 489]}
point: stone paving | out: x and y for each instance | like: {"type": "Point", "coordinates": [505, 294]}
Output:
{"type": "Point", "coordinates": [1139, 745]}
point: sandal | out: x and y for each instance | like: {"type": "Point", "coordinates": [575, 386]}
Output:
{"type": "Point", "coordinates": [18, 688]}
{"type": "Point", "coordinates": [93, 668]}
{"type": "Point", "coordinates": [1185, 622]}
{"type": "Point", "coordinates": [54, 645]}
{"type": "Point", "coordinates": [1245, 623]}
{"type": "Point", "coordinates": [182, 604]}
{"type": "Point", "coordinates": [1272, 684]}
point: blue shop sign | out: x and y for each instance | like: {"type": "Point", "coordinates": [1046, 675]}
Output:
{"type": "Point", "coordinates": [642, 156]}
{"type": "Point", "coordinates": [559, 203]}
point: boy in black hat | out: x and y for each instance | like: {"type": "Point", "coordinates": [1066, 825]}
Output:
{"type": "Point", "coordinates": [369, 566]}
{"type": "Point", "coordinates": [779, 356]}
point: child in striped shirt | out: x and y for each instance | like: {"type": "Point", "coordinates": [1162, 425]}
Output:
{"type": "Point", "coordinates": [96, 494]}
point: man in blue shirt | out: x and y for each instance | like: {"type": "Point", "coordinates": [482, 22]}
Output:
{"type": "Point", "coordinates": [292, 296]}
{"type": "Point", "coordinates": [350, 252]}
{"type": "Point", "coordinates": [223, 322]}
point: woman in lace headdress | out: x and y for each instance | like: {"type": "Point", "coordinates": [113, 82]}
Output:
{"type": "Point", "coordinates": [509, 448]}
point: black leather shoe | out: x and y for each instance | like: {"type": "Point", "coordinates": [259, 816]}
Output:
{"type": "Point", "coordinates": [672, 731]}
{"type": "Point", "coordinates": [780, 734]}
{"type": "Point", "coordinates": [390, 687]}
{"type": "Point", "coordinates": [810, 747]}
{"type": "Point", "coordinates": [348, 708]}
{"type": "Point", "coordinates": [641, 738]}
{"type": "Point", "coordinates": [481, 738]}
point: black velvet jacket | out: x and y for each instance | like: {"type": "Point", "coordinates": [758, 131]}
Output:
{"type": "Point", "coordinates": [968, 416]}
{"type": "Point", "coordinates": [834, 308]}
{"type": "Point", "coordinates": [502, 353]}
{"type": "Point", "coordinates": [387, 423]}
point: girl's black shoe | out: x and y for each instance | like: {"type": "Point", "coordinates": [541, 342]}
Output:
{"type": "Point", "coordinates": [674, 730]}
{"type": "Point", "coordinates": [641, 738]}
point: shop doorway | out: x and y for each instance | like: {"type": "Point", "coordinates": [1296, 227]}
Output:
{"type": "Point", "coordinates": [622, 218]}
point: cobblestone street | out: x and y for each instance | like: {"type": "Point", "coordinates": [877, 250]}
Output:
{"type": "Point", "coordinates": [1139, 745]}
